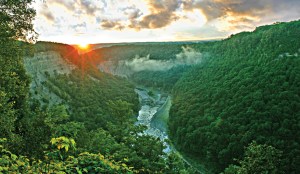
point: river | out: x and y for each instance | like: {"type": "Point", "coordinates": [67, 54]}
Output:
{"type": "Point", "coordinates": [154, 114]}
{"type": "Point", "coordinates": [151, 104]}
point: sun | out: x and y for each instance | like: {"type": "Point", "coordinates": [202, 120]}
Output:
{"type": "Point", "coordinates": [83, 46]}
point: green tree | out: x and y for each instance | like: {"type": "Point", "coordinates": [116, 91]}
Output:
{"type": "Point", "coordinates": [259, 159]}
{"type": "Point", "coordinates": [15, 23]}
{"type": "Point", "coordinates": [16, 20]}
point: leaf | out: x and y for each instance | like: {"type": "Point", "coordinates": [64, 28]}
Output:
{"type": "Point", "coordinates": [67, 148]}
{"type": "Point", "coordinates": [59, 146]}
{"type": "Point", "coordinates": [14, 157]}
{"type": "Point", "coordinates": [78, 170]}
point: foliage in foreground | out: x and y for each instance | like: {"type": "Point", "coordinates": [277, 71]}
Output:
{"type": "Point", "coordinates": [61, 158]}
{"type": "Point", "coordinates": [82, 117]}
{"type": "Point", "coordinates": [258, 159]}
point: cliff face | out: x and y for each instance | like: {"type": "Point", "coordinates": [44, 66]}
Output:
{"type": "Point", "coordinates": [41, 65]}
{"type": "Point", "coordinates": [117, 68]}
{"type": "Point", "coordinates": [49, 61]}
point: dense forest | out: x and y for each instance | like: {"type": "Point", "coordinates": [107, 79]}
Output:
{"type": "Point", "coordinates": [90, 131]}
{"type": "Point", "coordinates": [125, 52]}
{"type": "Point", "coordinates": [245, 91]}
{"type": "Point", "coordinates": [235, 111]}
{"type": "Point", "coordinates": [248, 90]}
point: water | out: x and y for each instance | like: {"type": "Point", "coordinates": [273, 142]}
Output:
{"type": "Point", "coordinates": [150, 106]}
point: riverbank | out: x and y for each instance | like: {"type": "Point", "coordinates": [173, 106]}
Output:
{"type": "Point", "coordinates": [161, 117]}
{"type": "Point", "coordinates": [152, 102]}
{"type": "Point", "coordinates": [154, 114]}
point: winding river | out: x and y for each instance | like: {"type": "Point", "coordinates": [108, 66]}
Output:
{"type": "Point", "coordinates": [154, 114]}
{"type": "Point", "coordinates": [152, 106]}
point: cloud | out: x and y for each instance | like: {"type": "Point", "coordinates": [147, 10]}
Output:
{"type": "Point", "coordinates": [230, 15]}
{"type": "Point", "coordinates": [67, 4]}
{"type": "Point", "coordinates": [218, 8]}
{"type": "Point", "coordinates": [90, 7]}
{"type": "Point", "coordinates": [145, 63]}
{"type": "Point", "coordinates": [188, 56]}
{"type": "Point", "coordinates": [242, 14]}
{"type": "Point", "coordinates": [79, 28]}
{"type": "Point", "coordinates": [132, 12]}
{"type": "Point", "coordinates": [162, 13]}
{"type": "Point", "coordinates": [156, 20]}
{"type": "Point", "coordinates": [46, 13]}
{"type": "Point", "coordinates": [116, 25]}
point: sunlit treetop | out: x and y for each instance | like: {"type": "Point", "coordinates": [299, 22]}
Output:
{"type": "Point", "coordinates": [16, 20]}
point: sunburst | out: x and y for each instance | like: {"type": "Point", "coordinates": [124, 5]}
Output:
{"type": "Point", "coordinates": [83, 46]}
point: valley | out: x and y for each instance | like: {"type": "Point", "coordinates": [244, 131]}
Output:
{"type": "Point", "coordinates": [176, 123]}
{"type": "Point", "coordinates": [228, 106]}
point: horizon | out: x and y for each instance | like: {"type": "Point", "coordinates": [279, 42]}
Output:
{"type": "Point", "coordinates": [141, 42]}
{"type": "Point", "coordinates": [132, 21]}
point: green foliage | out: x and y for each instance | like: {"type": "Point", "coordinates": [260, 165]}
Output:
{"type": "Point", "coordinates": [96, 163]}
{"type": "Point", "coordinates": [129, 51]}
{"type": "Point", "coordinates": [121, 111]}
{"type": "Point", "coordinates": [15, 23]}
{"type": "Point", "coordinates": [163, 80]}
{"type": "Point", "coordinates": [150, 93]}
{"type": "Point", "coordinates": [57, 114]}
{"type": "Point", "coordinates": [102, 112]}
{"type": "Point", "coordinates": [258, 159]}
{"type": "Point", "coordinates": [11, 163]}
{"type": "Point", "coordinates": [96, 98]}
{"type": "Point", "coordinates": [239, 95]}
{"type": "Point", "coordinates": [83, 163]}
{"type": "Point", "coordinates": [247, 90]}
{"type": "Point", "coordinates": [236, 95]}
{"type": "Point", "coordinates": [63, 143]}
{"type": "Point", "coordinates": [13, 86]}
{"type": "Point", "coordinates": [97, 109]}
{"type": "Point", "coordinates": [16, 20]}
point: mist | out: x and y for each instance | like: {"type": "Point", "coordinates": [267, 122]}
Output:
{"type": "Point", "coordinates": [188, 56]}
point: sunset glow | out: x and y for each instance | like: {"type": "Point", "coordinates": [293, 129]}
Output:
{"type": "Point", "coordinates": [83, 46]}
{"type": "Point", "coordinates": [93, 21]}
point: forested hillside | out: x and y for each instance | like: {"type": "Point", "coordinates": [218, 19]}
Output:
{"type": "Point", "coordinates": [235, 103]}
{"type": "Point", "coordinates": [126, 52]}
{"type": "Point", "coordinates": [247, 90]}
{"type": "Point", "coordinates": [64, 116]}
{"type": "Point", "coordinates": [244, 90]}
{"type": "Point", "coordinates": [88, 115]}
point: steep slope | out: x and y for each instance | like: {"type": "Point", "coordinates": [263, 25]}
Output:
{"type": "Point", "coordinates": [95, 109]}
{"type": "Point", "coordinates": [248, 89]}
{"type": "Point", "coordinates": [57, 80]}
{"type": "Point", "coordinates": [40, 67]}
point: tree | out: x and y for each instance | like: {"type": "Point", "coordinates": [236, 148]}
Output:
{"type": "Point", "coordinates": [15, 23]}
{"type": "Point", "coordinates": [16, 20]}
{"type": "Point", "coordinates": [258, 159]}
{"type": "Point", "coordinates": [120, 111]}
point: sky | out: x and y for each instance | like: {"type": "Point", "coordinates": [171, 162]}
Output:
{"type": "Point", "coordinates": [113, 21]}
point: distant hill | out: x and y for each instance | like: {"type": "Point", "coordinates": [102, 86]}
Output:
{"type": "Point", "coordinates": [225, 94]}
{"type": "Point", "coordinates": [247, 90]}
